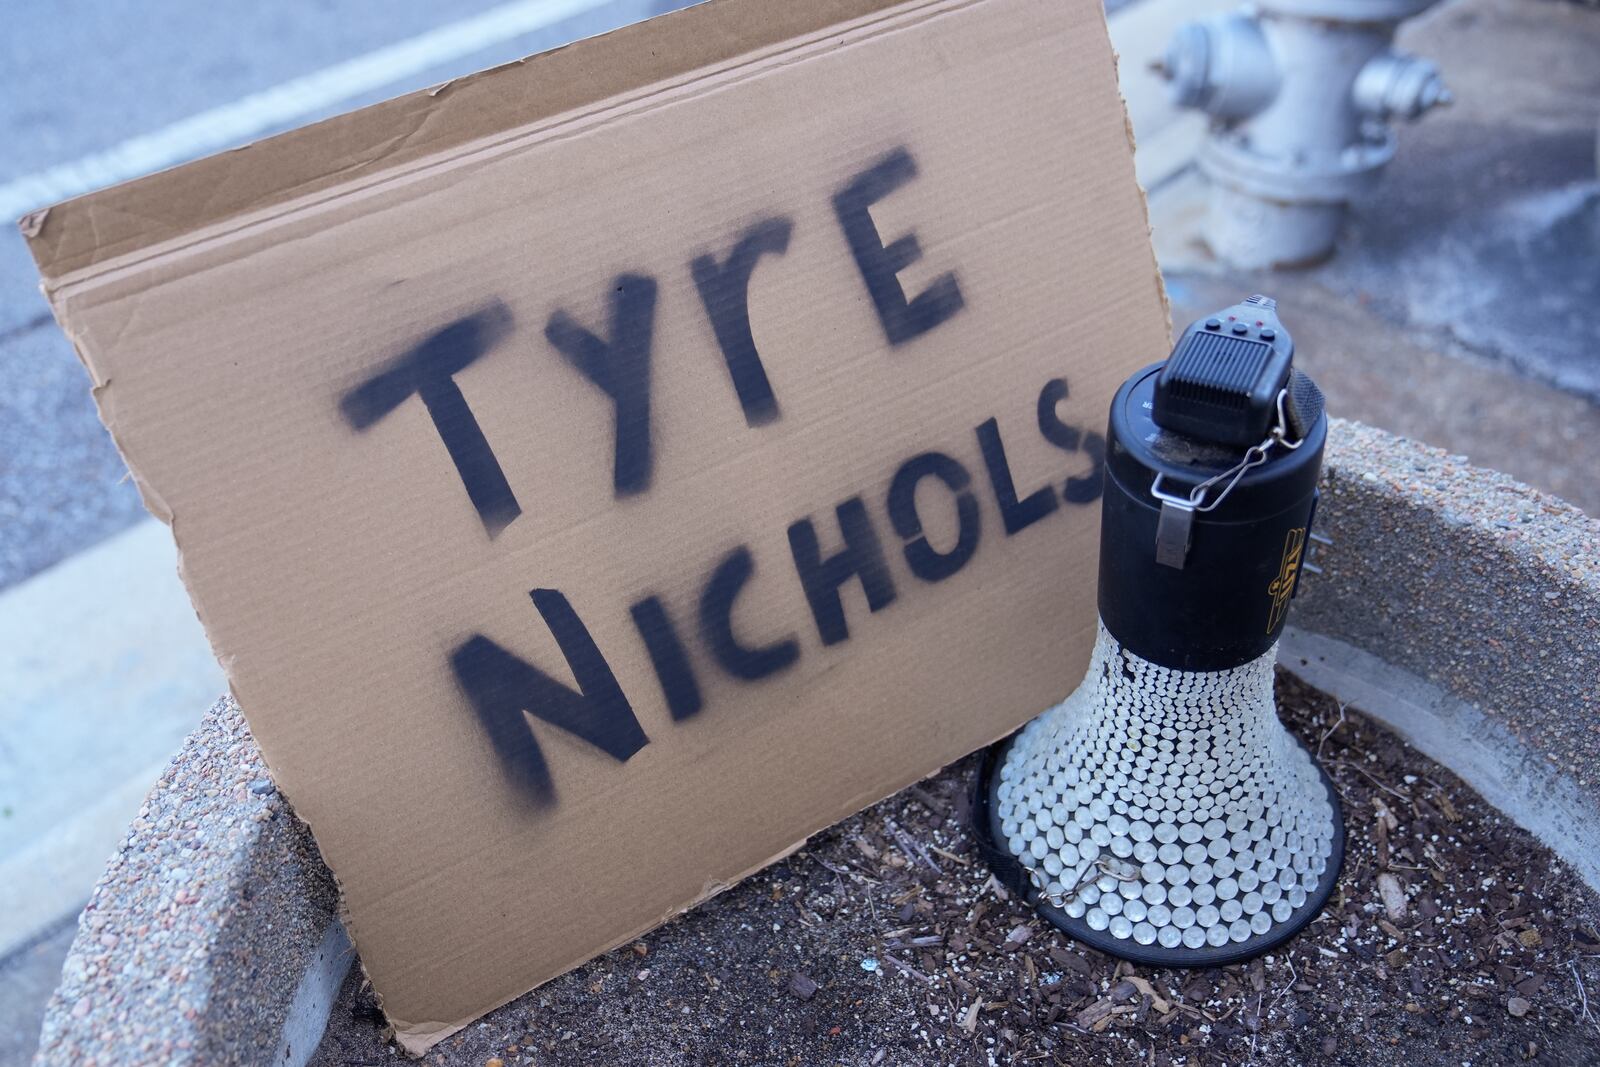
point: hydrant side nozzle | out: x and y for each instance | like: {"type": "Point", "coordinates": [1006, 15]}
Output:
{"type": "Point", "coordinates": [1221, 65]}
{"type": "Point", "coordinates": [1301, 94]}
{"type": "Point", "coordinates": [1186, 66]}
{"type": "Point", "coordinates": [1399, 85]}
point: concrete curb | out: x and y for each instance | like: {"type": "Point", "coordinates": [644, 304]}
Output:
{"type": "Point", "coordinates": [1484, 591]}
{"type": "Point", "coordinates": [1481, 751]}
{"type": "Point", "coordinates": [211, 937]}
{"type": "Point", "coordinates": [1456, 605]}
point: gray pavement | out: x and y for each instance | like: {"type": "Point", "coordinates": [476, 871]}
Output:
{"type": "Point", "coordinates": [27, 978]}
{"type": "Point", "coordinates": [62, 484]}
{"type": "Point", "coordinates": [1486, 229]}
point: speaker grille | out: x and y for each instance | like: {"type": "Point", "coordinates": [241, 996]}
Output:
{"type": "Point", "coordinates": [1217, 369]}
{"type": "Point", "coordinates": [1169, 809]}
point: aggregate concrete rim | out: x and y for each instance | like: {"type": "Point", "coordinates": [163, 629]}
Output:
{"type": "Point", "coordinates": [1456, 605]}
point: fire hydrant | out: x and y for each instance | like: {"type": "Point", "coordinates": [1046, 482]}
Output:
{"type": "Point", "coordinates": [1300, 93]}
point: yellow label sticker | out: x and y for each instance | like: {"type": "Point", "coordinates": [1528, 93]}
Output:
{"type": "Point", "coordinates": [1288, 570]}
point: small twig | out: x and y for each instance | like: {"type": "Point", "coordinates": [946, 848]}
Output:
{"type": "Point", "coordinates": [951, 856]}
{"type": "Point", "coordinates": [1331, 729]}
{"type": "Point", "coordinates": [912, 850]}
{"type": "Point", "coordinates": [1096, 869]}
{"type": "Point", "coordinates": [838, 875]}
{"type": "Point", "coordinates": [908, 969]}
{"type": "Point", "coordinates": [1293, 978]}
{"type": "Point", "coordinates": [1033, 991]}
{"type": "Point", "coordinates": [859, 871]}
{"type": "Point", "coordinates": [925, 941]}
{"type": "Point", "coordinates": [1583, 996]}
{"type": "Point", "coordinates": [929, 801]}
{"type": "Point", "coordinates": [1261, 1020]}
{"type": "Point", "coordinates": [1261, 1017]}
{"type": "Point", "coordinates": [1090, 875]}
{"type": "Point", "coordinates": [1373, 780]}
{"type": "Point", "coordinates": [840, 872]}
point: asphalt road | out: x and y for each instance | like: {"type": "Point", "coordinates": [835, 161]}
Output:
{"type": "Point", "coordinates": [81, 76]}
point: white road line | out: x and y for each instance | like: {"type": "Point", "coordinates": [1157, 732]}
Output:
{"type": "Point", "coordinates": [52, 876]}
{"type": "Point", "coordinates": [1140, 31]}
{"type": "Point", "coordinates": [283, 105]}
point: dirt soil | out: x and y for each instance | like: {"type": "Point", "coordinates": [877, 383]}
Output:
{"type": "Point", "coordinates": [885, 942]}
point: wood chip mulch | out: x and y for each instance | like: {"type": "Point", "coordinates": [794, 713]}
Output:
{"type": "Point", "coordinates": [1453, 938]}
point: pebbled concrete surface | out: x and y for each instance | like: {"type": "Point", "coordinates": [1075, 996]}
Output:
{"type": "Point", "coordinates": [195, 939]}
{"type": "Point", "coordinates": [1470, 580]}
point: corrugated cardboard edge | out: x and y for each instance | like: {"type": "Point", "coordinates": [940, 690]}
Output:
{"type": "Point", "coordinates": [1144, 194]}
{"type": "Point", "coordinates": [115, 227]}
{"type": "Point", "coordinates": [126, 219]}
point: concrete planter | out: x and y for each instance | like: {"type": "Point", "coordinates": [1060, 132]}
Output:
{"type": "Point", "coordinates": [1456, 605]}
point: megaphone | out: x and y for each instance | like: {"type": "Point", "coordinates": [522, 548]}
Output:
{"type": "Point", "coordinates": [1162, 813]}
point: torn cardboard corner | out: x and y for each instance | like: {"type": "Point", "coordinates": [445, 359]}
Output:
{"type": "Point", "coordinates": [667, 447]}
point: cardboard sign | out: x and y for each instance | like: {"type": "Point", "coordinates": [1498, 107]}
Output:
{"type": "Point", "coordinates": [599, 474]}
